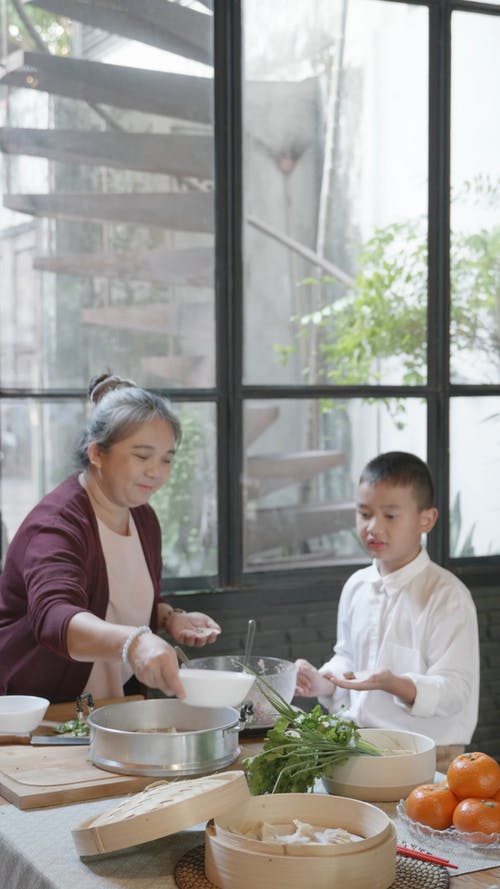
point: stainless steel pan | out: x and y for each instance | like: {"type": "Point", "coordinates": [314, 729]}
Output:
{"type": "Point", "coordinates": [133, 738]}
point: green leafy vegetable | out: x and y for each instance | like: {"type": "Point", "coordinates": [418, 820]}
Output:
{"type": "Point", "coordinates": [78, 727]}
{"type": "Point", "coordinates": [301, 747]}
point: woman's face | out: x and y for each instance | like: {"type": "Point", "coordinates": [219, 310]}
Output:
{"type": "Point", "coordinates": [135, 467]}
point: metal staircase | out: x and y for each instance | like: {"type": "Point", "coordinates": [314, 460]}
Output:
{"type": "Point", "coordinates": [181, 153]}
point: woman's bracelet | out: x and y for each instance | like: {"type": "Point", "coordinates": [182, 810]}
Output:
{"type": "Point", "coordinates": [137, 631]}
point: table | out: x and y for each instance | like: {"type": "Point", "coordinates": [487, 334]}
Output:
{"type": "Point", "coordinates": [37, 850]}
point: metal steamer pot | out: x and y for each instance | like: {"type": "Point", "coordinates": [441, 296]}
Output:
{"type": "Point", "coordinates": [136, 738]}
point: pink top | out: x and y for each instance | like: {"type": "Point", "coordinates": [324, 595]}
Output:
{"type": "Point", "coordinates": [130, 602]}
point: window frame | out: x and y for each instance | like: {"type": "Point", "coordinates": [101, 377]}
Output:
{"type": "Point", "coordinates": [230, 393]}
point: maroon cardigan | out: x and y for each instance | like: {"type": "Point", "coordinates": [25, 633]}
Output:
{"type": "Point", "coordinates": [55, 568]}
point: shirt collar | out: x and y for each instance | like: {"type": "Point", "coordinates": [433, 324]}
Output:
{"type": "Point", "coordinates": [394, 582]}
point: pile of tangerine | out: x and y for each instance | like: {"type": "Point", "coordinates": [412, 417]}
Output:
{"type": "Point", "coordinates": [468, 799]}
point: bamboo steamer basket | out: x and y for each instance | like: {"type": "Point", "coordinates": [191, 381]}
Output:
{"type": "Point", "coordinates": [233, 861]}
{"type": "Point", "coordinates": [163, 808]}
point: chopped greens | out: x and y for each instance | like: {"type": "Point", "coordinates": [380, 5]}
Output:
{"type": "Point", "coordinates": [301, 747]}
{"type": "Point", "coordinates": [77, 727]}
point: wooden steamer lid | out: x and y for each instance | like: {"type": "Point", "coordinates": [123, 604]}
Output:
{"type": "Point", "coordinates": [163, 808]}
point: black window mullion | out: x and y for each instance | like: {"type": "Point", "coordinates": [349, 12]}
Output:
{"type": "Point", "coordinates": [438, 342]}
{"type": "Point", "coordinates": [227, 87]}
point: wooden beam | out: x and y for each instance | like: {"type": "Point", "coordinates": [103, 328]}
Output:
{"type": "Point", "coordinates": [192, 266]}
{"type": "Point", "coordinates": [168, 26]}
{"type": "Point", "coordinates": [257, 418]}
{"type": "Point", "coordinates": [188, 211]}
{"type": "Point", "coordinates": [152, 92]}
{"type": "Point", "coordinates": [193, 321]}
{"type": "Point", "coordinates": [175, 154]}
{"type": "Point", "coordinates": [266, 473]}
{"type": "Point", "coordinates": [297, 247]}
{"type": "Point", "coordinates": [292, 526]}
{"type": "Point", "coordinates": [296, 465]}
{"type": "Point", "coordinates": [196, 371]}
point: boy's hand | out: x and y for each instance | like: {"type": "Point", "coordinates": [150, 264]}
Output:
{"type": "Point", "coordinates": [383, 680]}
{"type": "Point", "coordinates": [310, 682]}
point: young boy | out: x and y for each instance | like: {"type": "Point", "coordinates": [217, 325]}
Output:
{"type": "Point", "coordinates": [407, 650]}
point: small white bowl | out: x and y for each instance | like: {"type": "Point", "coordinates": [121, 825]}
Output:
{"type": "Point", "coordinates": [280, 674]}
{"type": "Point", "coordinates": [215, 688]}
{"type": "Point", "coordinates": [387, 778]}
{"type": "Point", "coordinates": [21, 713]}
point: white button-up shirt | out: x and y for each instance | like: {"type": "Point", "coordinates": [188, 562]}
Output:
{"type": "Point", "coordinates": [421, 622]}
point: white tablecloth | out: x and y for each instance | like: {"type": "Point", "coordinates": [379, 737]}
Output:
{"type": "Point", "coordinates": [37, 852]}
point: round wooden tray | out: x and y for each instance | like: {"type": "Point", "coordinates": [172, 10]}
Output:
{"type": "Point", "coordinates": [189, 873]}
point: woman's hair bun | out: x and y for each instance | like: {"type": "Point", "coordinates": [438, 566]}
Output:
{"type": "Point", "coordinates": [104, 383]}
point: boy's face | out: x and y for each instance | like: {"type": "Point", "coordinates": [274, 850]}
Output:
{"type": "Point", "coordinates": [390, 524]}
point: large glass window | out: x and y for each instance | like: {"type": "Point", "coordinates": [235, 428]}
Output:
{"type": "Point", "coordinates": [302, 462]}
{"type": "Point", "coordinates": [335, 118]}
{"type": "Point", "coordinates": [475, 285]}
{"type": "Point", "coordinates": [335, 136]}
{"type": "Point", "coordinates": [355, 227]}
{"type": "Point", "coordinates": [107, 240]}
{"type": "Point", "coordinates": [475, 466]}
{"type": "Point", "coordinates": [475, 204]}
{"type": "Point", "coordinates": [108, 191]}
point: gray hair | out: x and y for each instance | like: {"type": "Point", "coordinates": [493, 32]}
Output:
{"type": "Point", "coordinates": [120, 406]}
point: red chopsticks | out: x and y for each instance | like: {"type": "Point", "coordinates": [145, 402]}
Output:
{"type": "Point", "coordinates": [424, 856]}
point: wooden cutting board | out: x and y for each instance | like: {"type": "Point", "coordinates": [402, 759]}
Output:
{"type": "Point", "coordinates": [34, 777]}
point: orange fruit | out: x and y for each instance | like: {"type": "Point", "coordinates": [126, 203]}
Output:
{"type": "Point", "coordinates": [481, 815]}
{"type": "Point", "coordinates": [473, 775]}
{"type": "Point", "coordinates": [431, 804]}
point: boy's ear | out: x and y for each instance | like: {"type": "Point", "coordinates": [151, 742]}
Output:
{"type": "Point", "coordinates": [428, 518]}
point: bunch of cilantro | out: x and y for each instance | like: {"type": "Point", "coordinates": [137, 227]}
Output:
{"type": "Point", "coordinates": [302, 747]}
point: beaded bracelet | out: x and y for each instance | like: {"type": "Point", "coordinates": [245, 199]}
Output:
{"type": "Point", "coordinates": [137, 631]}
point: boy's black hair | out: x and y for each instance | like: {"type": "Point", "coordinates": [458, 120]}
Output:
{"type": "Point", "coordinates": [401, 469]}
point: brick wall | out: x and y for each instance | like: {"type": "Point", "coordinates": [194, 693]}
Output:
{"type": "Point", "coordinates": [292, 624]}
{"type": "Point", "coordinates": [487, 734]}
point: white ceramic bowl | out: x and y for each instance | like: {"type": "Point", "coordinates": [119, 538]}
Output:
{"type": "Point", "coordinates": [215, 688]}
{"type": "Point", "coordinates": [390, 777]}
{"type": "Point", "coordinates": [280, 674]}
{"type": "Point", "coordinates": [21, 713]}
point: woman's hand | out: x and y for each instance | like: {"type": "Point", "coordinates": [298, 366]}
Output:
{"type": "Point", "coordinates": [310, 682]}
{"type": "Point", "coordinates": [154, 662]}
{"type": "Point", "coordinates": [189, 627]}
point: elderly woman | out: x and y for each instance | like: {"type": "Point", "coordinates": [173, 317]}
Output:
{"type": "Point", "coordinates": [80, 590]}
